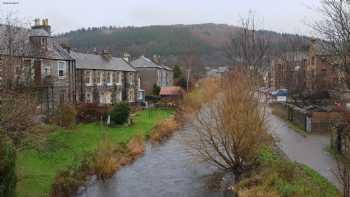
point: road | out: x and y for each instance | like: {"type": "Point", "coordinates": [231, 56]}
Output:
{"type": "Point", "coordinates": [309, 150]}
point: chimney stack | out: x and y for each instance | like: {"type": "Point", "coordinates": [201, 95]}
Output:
{"type": "Point", "coordinates": [126, 57]}
{"type": "Point", "coordinates": [36, 22]}
{"type": "Point", "coordinates": [43, 24]}
{"type": "Point", "coordinates": [156, 59]}
{"type": "Point", "coordinates": [107, 54]}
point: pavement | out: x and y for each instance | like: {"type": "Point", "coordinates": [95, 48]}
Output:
{"type": "Point", "coordinates": [309, 150]}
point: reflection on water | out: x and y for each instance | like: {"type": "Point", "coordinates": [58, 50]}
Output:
{"type": "Point", "coordinates": [165, 170]}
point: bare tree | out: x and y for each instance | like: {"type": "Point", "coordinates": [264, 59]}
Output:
{"type": "Point", "coordinates": [334, 28]}
{"type": "Point", "coordinates": [247, 49]}
{"type": "Point", "coordinates": [190, 59]}
{"type": "Point", "coordinates": [230, 130]}
{"type": "Point", "coordinates": [13, 44]}
{"type": "Point", "coordinates": [18, 103]}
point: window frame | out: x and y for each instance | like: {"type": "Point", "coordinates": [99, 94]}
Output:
{"type": "Point", "coordinates": [64, 70]}
{"type": "Point", "coordinates": [110, 78]}
{"type": "Point", "coordinates": [118, 82]}
{"type": "Point", "coordinates": [90, 81]}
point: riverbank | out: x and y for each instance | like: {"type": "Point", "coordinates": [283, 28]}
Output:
{"type": "Point", "coordinates": [38, 164]}
{"type": "Point", "coordinates": [278, 176]}
{"type": "Point", "coordinates": [165, 169]}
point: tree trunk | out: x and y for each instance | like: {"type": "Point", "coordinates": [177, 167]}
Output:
{"type": "Point", "coordinates": [346, 189]}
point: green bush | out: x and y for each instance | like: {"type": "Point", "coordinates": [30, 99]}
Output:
{"type": "Point", "coordinates": [120, 113]}
{"type": "Point", "coordinates": [156, 90]}
{"type": "Point", "coordinates": [7, 167]}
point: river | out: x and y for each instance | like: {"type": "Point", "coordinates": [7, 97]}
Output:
{"type": "Point", "coordinates": [166, 170]}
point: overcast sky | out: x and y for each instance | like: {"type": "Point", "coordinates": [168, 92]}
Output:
{"type": "Point", "coordinates": [64, 15]}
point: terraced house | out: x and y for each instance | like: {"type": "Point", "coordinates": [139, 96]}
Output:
{"type": "Point", "coordinates": [152, 73]}
{"type": "Point", "coordinates": [104, 79]}
{"type": "Point", "coordinates": [33, 58]}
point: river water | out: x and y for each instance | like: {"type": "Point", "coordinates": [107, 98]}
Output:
{"type": "Point", "coordinates": [166, 170]}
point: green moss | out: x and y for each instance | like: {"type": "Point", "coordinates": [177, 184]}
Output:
{"type": "Point", "coordinates": [37, 168]}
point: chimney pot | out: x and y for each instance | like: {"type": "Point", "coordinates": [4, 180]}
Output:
{"type": "Point", "coordinates": [37, 22]}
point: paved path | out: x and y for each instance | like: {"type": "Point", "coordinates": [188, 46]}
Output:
{"type": "Point", "coordinates": [308, 150]}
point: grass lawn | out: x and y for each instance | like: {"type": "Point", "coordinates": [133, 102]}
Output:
{"type": "Point", "coordinates": [37, 168]}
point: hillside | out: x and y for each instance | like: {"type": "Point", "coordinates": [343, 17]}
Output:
{"type": "Point", "coordinates": [170, 42]}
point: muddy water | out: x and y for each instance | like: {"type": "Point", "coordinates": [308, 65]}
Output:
{"type": "Point", "coordinates": [166, 170]}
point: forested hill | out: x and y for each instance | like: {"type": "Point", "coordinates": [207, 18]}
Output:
{"type": "Point", "coordinates": [170, 42]}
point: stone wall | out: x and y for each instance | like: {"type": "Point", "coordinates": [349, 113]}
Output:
{"type": "Point", "coordinates": [123, 84]}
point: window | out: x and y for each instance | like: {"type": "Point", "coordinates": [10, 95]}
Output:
{"type": "Point", "coordinates": [139, 83]}
{"type": "Point", "coordinates": [99, 78]}
{"type": "Point", "coordinates": [119, 78]}
{"type": "Point", "coordinates": [131, 78]}
{"type": "Point", "coordinates": [110, 78]}
{"type": "Point", "coordinates": [88, 78]}
{"type": "Point", "coordinates": [46, 70]}
{"type": "Point", "coordinates": [88, 98]}
{"type": "Point", "coordinates": [43, 43]}
{"type": "Point", "coordinates": [158, 78]}
{"type": "Point", "coordinates": [61, 70]}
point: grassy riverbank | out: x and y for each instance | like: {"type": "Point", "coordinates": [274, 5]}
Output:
{"type": "Point", "coordinates": [277, 176]}
{"type": "Point", "coordinates": [37, 166]}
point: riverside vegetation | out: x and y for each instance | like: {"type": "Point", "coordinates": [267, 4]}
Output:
{"type": "Point", "coordinates": [61, 160]}
{"type": "Point", "coordinates": [271, 174]}
{"type": "Point", "coordinates": [277, 176]}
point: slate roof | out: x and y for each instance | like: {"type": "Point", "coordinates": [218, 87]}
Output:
{"type": "Point", "coordinates": [98, 62]}
{"type": "Point", "coordinates": [39, 33]}
{"type": "Point", "coordinates": [143, 62]}
{"type": "Point", "coordinates": [54, 50]}
{"type": "Point", "coordinates": [167, 68]}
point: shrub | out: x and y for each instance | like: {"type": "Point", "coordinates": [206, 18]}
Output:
{"type": "Point", "coordinates": [16, 114]}
{"type": "Point", "coordinates": [163, 130]}
{"type": "Point", "coordinates": [66, 116]}
{"type": "Point", "coordinates": [156, 90]}
{"type": "Point", "coordinates": [105, 162]}
{"type": "Point", "coordinates": [136, 145]}
{"type": "Point", "coordinates": [68, 181]}
{"type": "Point", "coordinates": [90, 112]}
{"type": "Point", "coordinates": [7, 167]}
{"type": "Point", "coordinates": [120, 113]}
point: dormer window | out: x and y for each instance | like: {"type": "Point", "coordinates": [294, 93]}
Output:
{"type": "Point", "coordinates": [61, 70]}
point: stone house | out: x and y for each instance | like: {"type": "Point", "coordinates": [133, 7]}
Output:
{"type": "Point", "coordinates": [104, 79]}
{"type": "Point", "coordinates": [321, 73]}
{"type": "Point", "coordinates": [40, 63]}
{"type": "Point", "coordinates": [288, 71]}
{"type": "Point", "coordinates": [152, 73]}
